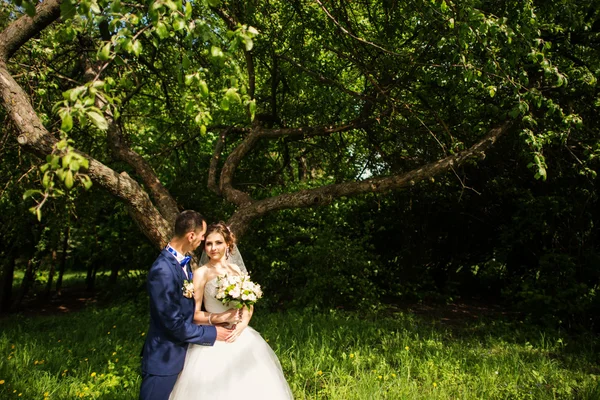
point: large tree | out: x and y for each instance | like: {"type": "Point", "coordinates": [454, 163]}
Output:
{"type": "Point", "coordinates": [298, 102]}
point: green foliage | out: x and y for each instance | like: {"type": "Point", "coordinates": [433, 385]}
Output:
{"type": "Point", "coordinates": [64, 165]}
{"type": "Point", "coordinates": [311, 260]}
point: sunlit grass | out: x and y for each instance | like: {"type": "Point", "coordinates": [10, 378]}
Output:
{"type": "Point", "coordinates": [331, 355]}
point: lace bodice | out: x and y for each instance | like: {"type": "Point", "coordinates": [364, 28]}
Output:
{"type": "Point", "coordinates": [211, 304]}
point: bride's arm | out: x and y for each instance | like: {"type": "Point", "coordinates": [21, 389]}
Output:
{"type": "Point", "coordinates": [205, 317]}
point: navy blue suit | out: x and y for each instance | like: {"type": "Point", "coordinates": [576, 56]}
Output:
{"type": "Point", "coordinates": [171, 328]}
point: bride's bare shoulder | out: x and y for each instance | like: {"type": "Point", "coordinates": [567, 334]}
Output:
{"type": "Point", "coordinates": [201, 273]}
{"type": "Point", "coordinates": [236, 269]}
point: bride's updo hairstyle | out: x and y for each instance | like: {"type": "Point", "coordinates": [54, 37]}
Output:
{"type": "Point", "coordinates": [224, 230]}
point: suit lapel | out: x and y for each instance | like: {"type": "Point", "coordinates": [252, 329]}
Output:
{"type": "Point", "coordinates": [173, 261]}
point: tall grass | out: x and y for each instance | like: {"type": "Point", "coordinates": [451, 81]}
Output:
{"type": "Point", "coordinates": [330, 355]}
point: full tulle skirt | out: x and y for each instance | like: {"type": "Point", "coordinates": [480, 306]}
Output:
{"type": "Point", "coordinates": [245, 369]}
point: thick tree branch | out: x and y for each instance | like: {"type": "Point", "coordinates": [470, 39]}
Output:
{"type": "Point", "coordinates": [226, 182]}
{"type": "Point", "coordinates": [33, 136]}
{"type": "Point", "coordinates": [325, 194]}
{"type": "Point", "coordinates": [121, 149]}
{"type": "Point", "coordinates": [23, 29]}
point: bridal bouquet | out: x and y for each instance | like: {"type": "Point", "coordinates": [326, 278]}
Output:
{"type": "Point", "coordinates": [238, 290]}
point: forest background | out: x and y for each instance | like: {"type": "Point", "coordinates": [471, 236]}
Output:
{"type": "Point", "coordinates": [369, 154]}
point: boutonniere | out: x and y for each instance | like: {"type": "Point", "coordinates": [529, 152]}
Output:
{"type": "Point", "coordinates": [188, 289]}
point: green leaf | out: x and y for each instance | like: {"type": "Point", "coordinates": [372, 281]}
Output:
{"type": "Point", "coordinates": [46, 179]}
{"type": "Point", "coordinates": [171, 5]}
{"type": "Point", "coordinates": [185, 62]}
{"type": "Point", "coordinates": [213, 3]}
{"type": "Point", "coordinates": [233, 96]}
{"type": "Point", "coordinates": [30, 192]}
{"type": "Point", "coordinates": [162, 31]}
{"type": "Point", "coordinates": [86, 181]}
{"type": "Point", "coordinates": [69, 179]}
{"type": "Point", "coordinates": [248, 43]}
{"type": "Point", "coordinates": [444, 6]}
{"type": "Point", "coordinates": [203, 88]}
{"type": "Point", "coordinates": [252, 108]}
{"type": "Point", "coordinates": [67, 122]}
{"type": "Point", "coordinates": [137, 47]}
{"type": "Point", "coordinates": [67, 9]}
{"type": "Point", "coordinates": [61, 145]}
{"type": "Point", "coordinates": [66, 160]}
{"type": "Point", "coordinates": [94, 7]}
{"type": "Point", "coordinates": [178, 24]}
{"type": "Point", "coordinates": [225, 103]}
{"type": "Point", "coordinates": [98, 120]}
{"type": "Point", "coordinates": [189, 79]}
{"type": "Point", "coordinates": [75, 92]}
{"type": "Point", "coordinates": [188, 10]}
{"type": "Point", "coordinates": [38, 213]}
{"type": "Point", "coordinates": [202, 130]}
{"type": "Point", "coordinates": [74, 165]}
{"type": "Point", "coordinates": [492, 90]}
{"type": "Point", "coordinates": [104, 52]}
{"type": "Point", "coordinates": [216, 52]}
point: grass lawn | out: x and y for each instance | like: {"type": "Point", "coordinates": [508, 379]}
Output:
{"type": "Point", "coordinates": [94, 353]}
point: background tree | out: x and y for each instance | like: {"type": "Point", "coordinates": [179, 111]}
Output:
{"type": "Point", "coordinates": [330, 100]}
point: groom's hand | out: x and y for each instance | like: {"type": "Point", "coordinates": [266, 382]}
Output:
{"type": "Point", "coordinates": [223, 334]}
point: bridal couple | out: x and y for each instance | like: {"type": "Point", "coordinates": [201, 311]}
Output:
{"type": "Point", "coordinates": [193, 354]}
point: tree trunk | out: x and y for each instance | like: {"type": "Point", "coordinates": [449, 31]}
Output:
{"type": "Point", "coordinates": [90, 278]}
{"type": "Point", "coordinates": [26, 284]}
{"type": "Point", "coordinates": [8, 274]}
{"type": "Point", "coordinates": [51, 275]}
{"type": "Point", "coordinates": [114, 273]}
{"type": "Point", "coordinates": [63, 260]}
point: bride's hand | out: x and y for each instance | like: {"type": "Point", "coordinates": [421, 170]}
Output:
{"type": "Point", "coordinates": [237, 331]}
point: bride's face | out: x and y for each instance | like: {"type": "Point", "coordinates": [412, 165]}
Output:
{"type": "Point", "coordinates": [215, 246]}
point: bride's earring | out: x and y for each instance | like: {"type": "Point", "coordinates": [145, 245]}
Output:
{"type": "Point", "coordinates": [227, 253]}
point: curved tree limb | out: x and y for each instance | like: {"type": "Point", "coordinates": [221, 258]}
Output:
{"type": "Point", "coordinates": [226, 181]}
{"type": "Point", "coordinates": [23, 29]}
{"type": "Point", "coordinates": [325, 194]}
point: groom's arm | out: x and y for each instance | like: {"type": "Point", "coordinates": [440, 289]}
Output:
{"type": "Point", "coordinates": [165, 299]}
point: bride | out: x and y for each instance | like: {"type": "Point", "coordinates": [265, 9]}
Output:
{"type": "Point", "coordinates": [245, 366]}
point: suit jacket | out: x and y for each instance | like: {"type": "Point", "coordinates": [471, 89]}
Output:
{"type": "Point", "coordinates": [171, 319]}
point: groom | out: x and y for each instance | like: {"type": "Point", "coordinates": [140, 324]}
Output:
{"type": "Point", "coordinates": [172, 311]}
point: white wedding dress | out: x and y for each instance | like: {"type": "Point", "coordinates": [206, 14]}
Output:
{"type": "Point", "coordinates": [245, 369]}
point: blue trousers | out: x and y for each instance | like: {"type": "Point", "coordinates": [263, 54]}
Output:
{"type": "Point", "coordinates": [157, 387]}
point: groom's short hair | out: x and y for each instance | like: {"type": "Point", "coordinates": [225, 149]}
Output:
{"type": "Point", "coordinates": [188, 221]}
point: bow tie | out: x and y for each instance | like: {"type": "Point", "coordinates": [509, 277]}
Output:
{"type": "Point", "coordinates": [185, 261]}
